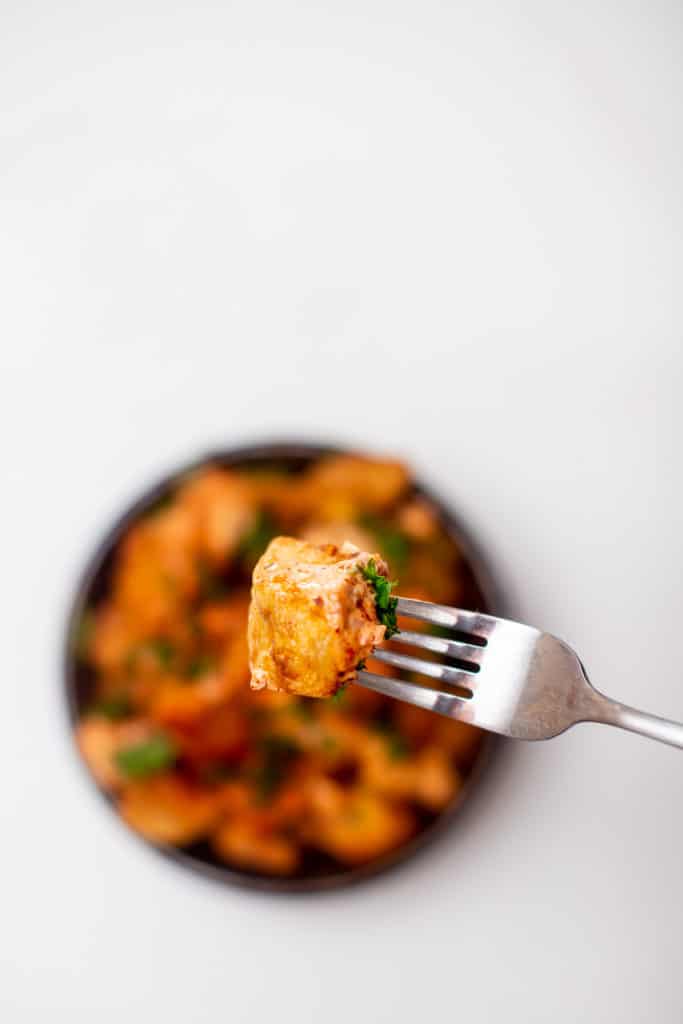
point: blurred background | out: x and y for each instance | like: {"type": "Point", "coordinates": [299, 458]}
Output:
{"type": "Point", "coordinates": [448, 233]}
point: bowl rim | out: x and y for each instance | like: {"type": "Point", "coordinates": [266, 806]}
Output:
{"type": "Point", "coordinates": [272, 451]}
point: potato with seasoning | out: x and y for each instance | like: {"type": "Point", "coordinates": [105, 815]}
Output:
{"type": "Point", "coordinates": [357, 825]}
{"type": "Point", "coordinates": [313, 616]}
{"type": "Point", "coordinates": [244, 843]}
{"type": "Point", "coordinates": [168, 809]}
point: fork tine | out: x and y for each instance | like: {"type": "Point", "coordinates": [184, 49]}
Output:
{"type": "Point", "coordinates": [442, 645]}
{"type": "Point", "coordinates": [434, 669]}
{"type": "Point", "coordinates": [422, 697]}
{"type": "Point", "coordinates": [451, 618]}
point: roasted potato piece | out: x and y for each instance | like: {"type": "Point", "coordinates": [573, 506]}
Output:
{"type": "Point", "coordinates": [243, 843]}
{"type": "Point", "coordinates": [287, 498]}
{"type": "Point", "coordinates": [289, 805]}
{"type": "Point", "coordinates": [434, 568]}
{"type": "Point", "coordinates": [178, 701]}
{"type": "Point", "coordinates": [437, 782]}
{"type": "Point", "coordinates": [313, 617]}
{"type": "Point", "coordinates": [167, 809]}
{"type": "Point", "coordinates": [418, 519]}
{"type": "Point", "coordinates": [156, 572]}
{"type": "Point", "coordinates": [114, 636]}
{"type": "Point", "coordinates": [343, 484]}
{"type": "Point", "coordinates": [223, 509]}
{"type": "Point", "coordinates": [427, 778]}
{"type": "Point", "coordinates": [234, 667]}
{"type": "Point", "coordinates": [221, 619]}
{"type": "Point", "coordinates": [175, 703]}
{"type": "Point", "coordinates": [98, 740]}
{"type": "Point", "coordinates": [219, 734]}
{"type": "Point", "coordinates": [356, 826]}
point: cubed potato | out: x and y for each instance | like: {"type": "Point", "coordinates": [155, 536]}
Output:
{"type": "Point", "coordinates": [244, 844]}
{"type": "Point", "coordinates": [312, 618]}
{"type": "Point", "coordinates": [168, 810]}
{"type": "Point", "coordinates": [348, 482]}
{"type": "Point", "coordinates": [223, 508]}
{"type": "Point", "coordinates": [360, 827]}
{"type": "Point", "coordinates": [98, 740]}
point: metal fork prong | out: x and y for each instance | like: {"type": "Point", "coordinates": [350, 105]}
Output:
{"type": "Point", "coordinates": [433, 669]}
{"type": "Point", "coordinates": [536, 686]}
{"type": "Point", "coordinates": [442, 645]}
{"type": "Point", "coordinates": [421, 696]}
{"type": "Point", "coordinates": [449, 618]}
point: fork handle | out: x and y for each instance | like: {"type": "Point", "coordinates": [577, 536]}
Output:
{"type": "Point", "coordinates": [611, 712]}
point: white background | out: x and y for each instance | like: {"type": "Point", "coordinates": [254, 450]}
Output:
{"type": "Point", "coordinates": [449, 231]}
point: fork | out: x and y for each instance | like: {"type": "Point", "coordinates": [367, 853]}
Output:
{"type": "Point", "coordinates": [505, 677]}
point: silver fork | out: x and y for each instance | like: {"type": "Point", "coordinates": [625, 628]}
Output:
{"type": "Point", "coordinates": [505, 677]}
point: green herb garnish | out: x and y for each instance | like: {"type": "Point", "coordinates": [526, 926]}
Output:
{"type": "Point", "coordinates": [386, 604]}
{"type": "Point", "coordinates": [200, 665]}
{"type": "Point", "coordinates": [360, 666]}
{"type": "Point", "coordinates": [397, 744]}
{"type": "Point", "coordinates": [160, 647]}
{"type": "Point", "coordinates": [115, 707]}
{"type": "Point", "coordinates": [340, 696]}
{"type": "Point", "coordinates": [163, 649]}
{"type": "Point", "coordinates": [257, 539]}
{"type": "Point", "coordinates": [278, 754]}
{"type": "Point", "coordinates": [148, 758]}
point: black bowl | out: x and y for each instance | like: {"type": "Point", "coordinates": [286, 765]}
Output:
{"type": "Point", "coordinates": [78, 680]}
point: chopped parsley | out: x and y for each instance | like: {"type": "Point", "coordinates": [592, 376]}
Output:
{"type": "Point", "coordinates": [164, 651]}
{"type": "Point", "coordinates": [256, 540]}
{"type": "Point", "coordinates": [159, 647]}
{"type": "Point", "coordinates": [278, 754]}
{"type": "Point", "coordinates": [397, 744]}
{"type": "Point", "coordinates": [200, 666]}
{"type": "Point", "coordinates": [385, 603]}
{"type": "Point", "coordinates": [340, 696]}
{"type": "Point", "coordinates": [116, 707]}
{"type": "Point", "coordinates": [147, 758]}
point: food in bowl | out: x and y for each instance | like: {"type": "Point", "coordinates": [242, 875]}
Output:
{"type": "Point", "coordinates": [270, 784]}
{"type": "Point", "coordinates": [313, 616]}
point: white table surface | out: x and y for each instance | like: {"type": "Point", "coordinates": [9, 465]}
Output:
{"type": "Point", "coordinates": [453, 232]}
